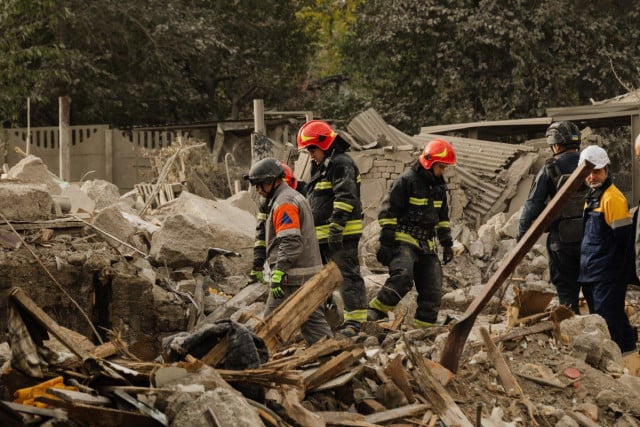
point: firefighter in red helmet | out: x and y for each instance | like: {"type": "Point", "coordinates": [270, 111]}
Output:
{"type": "Point", "coordinates": [414, 214]}
{"type": "Point", "coordinates": [334, 194]}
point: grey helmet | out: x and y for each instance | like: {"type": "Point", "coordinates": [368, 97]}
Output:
{"type": "Point", "coordinates": [265, 171]}
{"type": "Point", "coordinates": [563, 133]}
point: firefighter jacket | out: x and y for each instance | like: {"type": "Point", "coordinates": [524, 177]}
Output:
{"type": "Point", "coordinates": [334, 196]}
{"type": "Point", "coordinates": [260, 245]}
{"type": "Point", "coordinates": [607, 225]}
{"type": "Point", "coordinates": [291, 240]}
{"type": "Point", "coordinates": [416, 210]}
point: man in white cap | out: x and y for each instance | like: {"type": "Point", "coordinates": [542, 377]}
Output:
{"type": "Point", "coordinates": [607, 225]}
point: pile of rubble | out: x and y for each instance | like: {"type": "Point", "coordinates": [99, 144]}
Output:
{"type": "Point", "coordinates": [183, 341]}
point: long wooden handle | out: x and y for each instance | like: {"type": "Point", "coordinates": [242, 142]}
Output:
{"type": "Point", "coordinates": [460, 331]}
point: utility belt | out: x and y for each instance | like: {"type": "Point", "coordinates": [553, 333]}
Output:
{"type": "Point", "coordinates": [422, 234]}
{"type": "Point", "coordinates": [418, 237]}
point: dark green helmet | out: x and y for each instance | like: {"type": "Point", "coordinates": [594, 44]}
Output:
{"type": "Point", "coordinates": [265, 171]}
{"type": "Point", "coordinates": [563, 133]}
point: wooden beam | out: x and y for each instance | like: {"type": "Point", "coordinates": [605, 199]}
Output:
{"type": "Point", "coordinates": [42, 318]}
{"type": "Point", "coordinates": [287, 318]}
{"type": "Point", "coordinates": [331, 369]}
{"type": "Point", "coordinates": [397, 413]}
{"type": "Point", "coordinates": [443, 403]}
{"type": "Point", "coordinates": [460, 331]}
{"type": "Point", "coordinates": [79, 397]}
{"type": "Point", "coordinates": [511, 385]}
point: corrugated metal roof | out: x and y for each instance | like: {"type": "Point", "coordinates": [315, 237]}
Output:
{"type": "Point", "coordinates": [492, 124]}
{"type": "Point", "coordinates": [369, 127]}
{"type": "Point", "coordinates": [479, 163]}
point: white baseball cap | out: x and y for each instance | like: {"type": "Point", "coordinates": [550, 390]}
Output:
{"type": "Point", "coordinates": [596, 155]}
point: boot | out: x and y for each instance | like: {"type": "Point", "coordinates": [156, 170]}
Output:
{"type": "Point", "coordinates": [374, 315]}
{"type": "Point", "coordinates": [349, 329]}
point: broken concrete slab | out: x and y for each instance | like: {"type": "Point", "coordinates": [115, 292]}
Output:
{"type": "Point", "coordinates": [102, 192]}
{"type": "Point", "coordinates": [182, 241]}
{"type": "Point", "coordinates": [25, 202]}
{"type": "Point", "coordinates": [110, 220]}
{"type": "Point", "coordinates": [32, 169]}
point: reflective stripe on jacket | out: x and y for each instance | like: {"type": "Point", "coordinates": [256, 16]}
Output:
{"type": "Point", "coordinates": [607, 224]}
{"type": "Point", "coordinates": [334, 196]}
{"type": "Point", "coordinates": [416, 209]}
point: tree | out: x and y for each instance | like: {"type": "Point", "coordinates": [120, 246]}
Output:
{"type": "Point", "coordinates": [421, 62]}
{"type": "Point", "coordinates": [149, 61]}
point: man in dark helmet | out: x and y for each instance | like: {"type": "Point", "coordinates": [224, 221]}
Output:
{"type": "Point", "coordinates": [565, 233]}
{"type": "Point", "coordinates": [260, 245]}
{"type": "Point", "coordinates": [292, 252]}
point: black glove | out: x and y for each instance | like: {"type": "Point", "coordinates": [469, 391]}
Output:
{"type": "Point", "coordinates": [335, 237]}
{"type": "Point", "coordinates": [384, 255]}
{"type": "Point", "coordinates": [447, 254]}
{"type": "Point", "coordinates": [387, 237]}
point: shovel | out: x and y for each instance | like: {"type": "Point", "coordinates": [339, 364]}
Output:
{"type": "Point", "coordinates": [461, 329]}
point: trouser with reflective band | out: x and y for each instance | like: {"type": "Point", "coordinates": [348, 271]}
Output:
{"type": "Point", "coordinates": [316, 326]}
{"type": "Point", "coordinates": [564, 268]}
{"type": "Point", "coordinates": [352, 290]}
{"type": "Point", "coordinates": [409, 265]}
{"type": "Point", "coordinates": [609, 301]}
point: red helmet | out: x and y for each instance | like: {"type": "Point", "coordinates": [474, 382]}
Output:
{"type": "Point", "coordinates": [318, 133]}
{"type": "Point", "coordinates": [289, 177]}
{"type": "Point", "coordinates": [437, 151]}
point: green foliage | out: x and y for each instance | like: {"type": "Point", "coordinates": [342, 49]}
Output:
{"type": "Point", "coordinates": [148, 61]}
{"type": "Point", "coordinates": [421, 62]}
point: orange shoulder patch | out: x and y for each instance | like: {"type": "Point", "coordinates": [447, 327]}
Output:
{"type": "Point", "coordinates": [285, 217]}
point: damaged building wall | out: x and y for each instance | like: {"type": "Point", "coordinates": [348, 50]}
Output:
{"type": "Point", "coordinates": [381, 166]}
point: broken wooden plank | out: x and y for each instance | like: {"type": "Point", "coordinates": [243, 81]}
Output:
{"type": "Point", "coordinates": [460, 331]}
{"type": "Point", "coordinates": [370, 406]}
{"type": "Point", "coordinates": [79, 397]}
{"type": "Point", "coordinates": [51, 224]}
{"type": "Point", "coordinates": [547, 325]}
{"type": "Point", "coordinates": [329, 370]}
{"type": "Point", "coordinates": [104, 350]}
{"type": "Point", "coordinates": [99, 416]}
{"type": "Point", "coordinates": [509, 382]}
{"type": "Point", "coordinates": [443, 403]}
{"type": "Point", "coordinates": [507, 379]}
{"type": "Point", "coordinates": [299, 413]}
{"type": "Point", "coordinates": [398, 374]}
{"type": "Point", "coordinates": [247, 296]}
{"type": "Point", "coordinates": [143, 407]}
{"type": "Point", "coordinates": [338, 418]}
{"type": "Point", "coordinates": [397, 413]}
{"type": "Point", "coordinates": [43, 319]}
{"type": "Point", "coordinates": [265, 377]}
{"type": "Point", "coordinates": [14, 408]}
{"type": "Point", "coordinates": [341, 380]}
{"type": "Point", "coordinates": [287, 318]}
{"type": "Point", "coordinates": [318, 349]}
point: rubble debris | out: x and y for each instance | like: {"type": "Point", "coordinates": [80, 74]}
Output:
{"type": "Point", "coordinates": [388, 375]}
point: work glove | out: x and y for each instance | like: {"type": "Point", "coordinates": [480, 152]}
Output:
{"type": "Point", "coordinates": [255, 276]}
{"type": "Point", "coordinates": [384, 255]}
{"type": "Point", "coordinates": [335, 237]}
{"type": "Point", "coordinates": [387, 237]}
{"type": "Point", "coordinates": [447, 254]}
{"type": "Point", "coordinates": [278, 278]}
